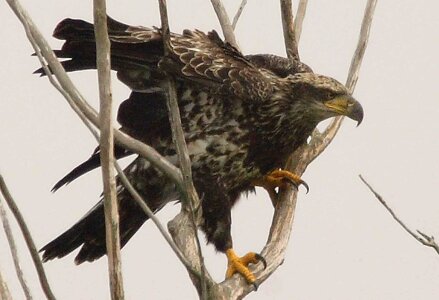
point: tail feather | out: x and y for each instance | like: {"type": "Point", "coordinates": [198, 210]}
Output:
{"type": "Point", "coordinates": [92, 163]}
{"type": "Point", "coordinates": [135, 51]}
{"type": "Point", "coordinates": [90, 233]}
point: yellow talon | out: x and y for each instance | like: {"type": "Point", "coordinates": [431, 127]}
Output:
{"type": "Point", "coordinates": [239, 265]}
{"type": "Point", "coordinates": [280, 178]}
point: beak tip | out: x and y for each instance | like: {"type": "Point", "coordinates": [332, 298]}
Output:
{"type": "Point", "coordinates": [357, 113]}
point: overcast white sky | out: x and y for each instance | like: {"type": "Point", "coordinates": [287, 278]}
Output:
{"type": "Point", "coordinates": [344, 244]}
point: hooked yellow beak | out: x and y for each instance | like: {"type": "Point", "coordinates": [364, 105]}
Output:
{"type": "Point", "coordinates": [346, 105]}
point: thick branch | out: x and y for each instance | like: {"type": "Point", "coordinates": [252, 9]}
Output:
{"type": "Point", "coordinates": [421, 237]}
{"type": "Point", "coordinates": [106, 144]}
{"type": "Point", "coordinates": [28, 238]}
{"type": "Point", "coordinates": [14, 252]}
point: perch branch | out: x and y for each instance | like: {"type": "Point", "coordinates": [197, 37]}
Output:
{"type": "Point", "coordinates": [14, 252]}
{"type": "Point", "coordinates": [28, 238]}
{"type": "Point", "coordinates": [106, 143]}
{"type": "Point", "coordinates": [274, 250]}
{"type": "Point", "coordinates": [192, 203]}
{"type": "Point", "coordinates": [281, 227]}
{"type": "Point", "coordinates": [421, 237]}
{"type": "Point", "coordinates": [238, 13]}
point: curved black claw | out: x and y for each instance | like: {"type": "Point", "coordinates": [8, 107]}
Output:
{"type": "Point", "coordinates": [255, 285]}
{"type": "Point", "coordinates": [296, 186]}
{"type": "Point", "coordinates": [262, 259]}
{"type": "Point", "coordinates": [306, 186]}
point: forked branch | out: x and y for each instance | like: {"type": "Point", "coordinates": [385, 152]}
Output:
{"type": "Point", "coordinates": [14, 252]}
{"type": "Point", "coordinates": [28, 239]}
{"type": "Point", "coordinates": [421, 237]}
{"type": "Point", "coordinates": [191, 203]}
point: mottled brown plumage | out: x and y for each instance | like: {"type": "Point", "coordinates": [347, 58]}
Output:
{"type": "Point", "coordinates": [242, 116]}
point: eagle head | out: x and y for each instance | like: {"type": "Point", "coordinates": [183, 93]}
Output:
{"type": "Point", "coordinates": [321, 97]}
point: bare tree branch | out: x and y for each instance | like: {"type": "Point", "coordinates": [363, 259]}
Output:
{"type": "Point", "coordinates": [14, 252]}
{"type": "Point", "coordinates": [106, 144]}
{"type": "Point", "coordinates": [421, 237]}
{"type": "Point", "coordinates": [87, 113]}
{"type": "Point", "coordinates": [281, 227]}
{"type": "Point", "coordinates": [286, 7]}
{"type": "Point", "coordinates": [4, 290]}
{"type": "Point", "coordinates": [238, 14]}
{"type": "Point", "coordinates": [155, 220]}
{"type": "Point", "coordinates": [28, 238]}
{"type": "Point", "coordinates": [298, 21]}
{"type": "Point", "coordinates": [74, 97]}
{"type": "Point", "coordinates": [320, 142]}
{"type": "Point", "coordinates": [192, 203]}
{"type": "Point", "coordinates": [224, 20]}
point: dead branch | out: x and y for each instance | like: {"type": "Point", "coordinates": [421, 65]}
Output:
{"type": "Point", "coordinates": [84, 110]}
{"type": "Point", "coordinates": [106, 144]}
{"type": "Point", "coordinates": [14, 252]}
{"type": "Point", "coordinates": [281, 227]}
{"type": "Point", "coordinates": [238, 13]}
{"type": "Point", "coordinates": [298, 21]}
{"type": "Point", "coordinates": [155, 220]}
{"type": "Point", "coordinates": [421, 237]}
{"type": "Point", "coordinates": [286, 7]}
{"type": "Point", "coordinates": [4, 290]}
{"type": "Point", "coordinates": [74, 98]}
{"type": "Point", "coordinates": [224, 20]}
{"type": "Point", "coordinates": [320, 142]}
{"type": "Point", "coordinates": [192, 203]}
{"type": "Point", "coordinates": [28, 238]}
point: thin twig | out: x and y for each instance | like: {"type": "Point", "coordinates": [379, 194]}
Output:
{"type": "Point", "coordinates": [14, 252]}
{"type": "Point", "coordinates": [136, 196]}
{"type": "Point", "coordinates": [28, 238]}
{"type": "Point", "coordinates": [4, 290]}
{"type": "Point", "coordinates": [224, 20]}
{"type": "Point", "coordinates": [421, 237]}
{"type": "Point", "coordinates": [238, 14]}
{"type": "Point", "coordinates": [300, 16]}
{"type": "Point", "coordinates": [106, 143]}
{"type": "Point", "coordinates": [192, 203]}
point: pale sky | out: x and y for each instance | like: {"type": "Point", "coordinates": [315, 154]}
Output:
{"type": "Point", "coordinates": [344, 245]}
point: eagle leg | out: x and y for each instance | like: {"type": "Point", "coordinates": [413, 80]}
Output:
{"type": "Point", "coordinates": [239, 265]}
{"type": "Point", "coordinates": [280, 178]}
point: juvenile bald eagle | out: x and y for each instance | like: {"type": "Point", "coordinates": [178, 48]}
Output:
{"type": "Point", "coordinates": [242, 116]}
